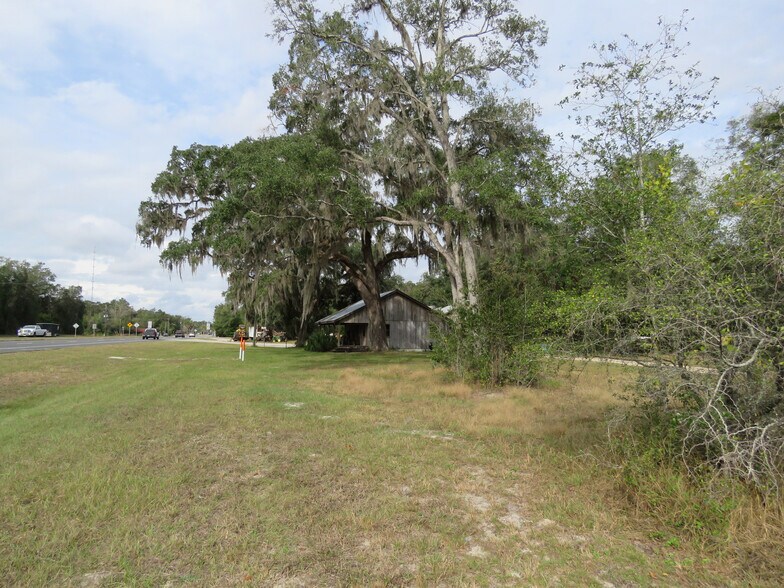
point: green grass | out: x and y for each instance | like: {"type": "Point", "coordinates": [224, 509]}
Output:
{"type": "Point", "coordinates": [180, 466]}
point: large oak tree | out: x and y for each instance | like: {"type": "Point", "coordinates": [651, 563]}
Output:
{"type": "Point", "coordinates": [419, 81]}
{"type": "Point", "coordinates": [271, 214]}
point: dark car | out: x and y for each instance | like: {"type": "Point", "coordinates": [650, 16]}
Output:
{"type": "Point", "coordinates": [150, 334]}
{"type": "Point", "coordinates": [179, 333]}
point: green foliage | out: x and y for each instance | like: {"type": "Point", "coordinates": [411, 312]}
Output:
{"type": "Point", "coordinates": [112, 318]}
{"type": "Point", "coordinates": [497, 341]}
{"type": "Point", "coordinates": [590, 322]}
{"type": "Point", "coordinates": [432, 289]}
{"type": "Point", "coordinates": [424, 117]}
{"type": "Point", "coordinates": [633, 94]}
{"type": "Point", "coordinates": [260, 211]}
{"type": "Point", "coordinates": [30, 294]}
{"type": "Point", "coordinates": [689, 281]}
{"type": "Point", "coordinates": [272, 214]}
{"type": "Point", "coordinates": [226, 320]}
{"type": "Point", "coordinates": [647, 447]}
{"type": "Point", "coordinates": [703, 293]}
{"type": "Point", "coordinates": [320, 340]}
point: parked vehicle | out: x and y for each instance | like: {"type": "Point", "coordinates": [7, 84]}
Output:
{"type": "Point", "coordinates": [31, 331]}
{"type": "Point", "coordinates": [53, 329]}
{"type": "Point", "coordinates": [179, 333]}
{"type": "Point", "coordinates": [150, 334]}
{"type": "Point", "coordinates": [191, 334]}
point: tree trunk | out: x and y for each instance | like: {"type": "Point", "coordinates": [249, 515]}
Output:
{"type": "Point", "coordinates": [472, 277]}
{"type": "Point", "coordinates": [365, 278]}
{"type": "Point", "coordinates": [455, 289]}
{"type": "Point", "coordinates": [369, 290]}
{"type": "Point", "coordinates": [377, 327]}
{"type": "Point", "coordinates": [308, 301]}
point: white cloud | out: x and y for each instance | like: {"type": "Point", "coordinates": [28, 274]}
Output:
{"type": "Point", "coordinates": [248, 115]}
{"type": "Point", "coordinates": [26, 35]}
{"type": "Point", "coordinates": [8, 80]}
{"type": "Point", "coordinates": [102, 104]}
{"type": "Point", "coordinates": [94, 94]}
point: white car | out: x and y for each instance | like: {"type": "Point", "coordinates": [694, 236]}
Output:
{"type": "Point", "coordinates": [32, 331]}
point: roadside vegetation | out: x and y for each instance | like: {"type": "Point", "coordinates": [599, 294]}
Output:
{"type": "Point", "coordinates": [406, 132]}
{"type": "Point", "coordinates": [163, 464]}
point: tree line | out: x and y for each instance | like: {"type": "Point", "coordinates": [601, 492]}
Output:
{"type": "Point", "coordinates": [113, 317]}
{"type": "Point", "coordinates": [29, 294]}
{"type": "Point", "coordinates": [402, 139]}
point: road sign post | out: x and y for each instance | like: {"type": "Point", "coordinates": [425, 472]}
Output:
{"type": "Point", "coordinates": [75, 326]}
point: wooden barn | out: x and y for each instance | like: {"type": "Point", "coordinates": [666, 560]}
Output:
{"type": "Point", "coordinates": [408, 322]}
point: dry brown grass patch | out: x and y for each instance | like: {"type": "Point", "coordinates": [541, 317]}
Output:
{"type": "Point", "coordinates": [392, 382]}
{"type": "Point", "coordinates": [758, 530]}
{"type": "Point", "coordinates": [571, 406]}
{"type": "Point", "coordinates": [19, 385]}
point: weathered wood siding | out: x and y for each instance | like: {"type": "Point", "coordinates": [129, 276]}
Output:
{"type": "Point", "coordinates": [409, 335]}
{"type": "Point", "coordinates": [360, 317]}
{"type": "Point", "coordinates": [409, 323]}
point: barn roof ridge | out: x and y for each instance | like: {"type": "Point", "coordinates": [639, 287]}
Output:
{"type": "Point", "coordinates": [351, 309]}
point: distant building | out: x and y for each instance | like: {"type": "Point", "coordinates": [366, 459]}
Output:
{"type": "Point", "coordinates": [408, 322]}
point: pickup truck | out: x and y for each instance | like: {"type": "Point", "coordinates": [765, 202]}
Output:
{"type": "Point", "coordinates": [32, 331]}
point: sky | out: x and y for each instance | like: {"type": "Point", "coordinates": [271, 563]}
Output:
{"type": "Point", "coordinates": [95, 93]}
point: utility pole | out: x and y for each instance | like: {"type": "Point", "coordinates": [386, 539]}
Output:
{"type": "Point", "coordinates": [92, 290]}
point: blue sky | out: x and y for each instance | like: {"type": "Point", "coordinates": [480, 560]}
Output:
{"type": "Point", "coordinates": [94, 94]}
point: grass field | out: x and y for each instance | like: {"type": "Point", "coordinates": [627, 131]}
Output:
{"type": "Point", "coordinates": [164, 464]}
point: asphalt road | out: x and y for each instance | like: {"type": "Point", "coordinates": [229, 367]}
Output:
{"type": "Point", "coordinates": [16, 344]}
{"type": "Point", "coordinates": [47, 343]}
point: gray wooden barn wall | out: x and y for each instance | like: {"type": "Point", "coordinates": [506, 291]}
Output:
{"type": "Point", "coordinates": [408, 323]}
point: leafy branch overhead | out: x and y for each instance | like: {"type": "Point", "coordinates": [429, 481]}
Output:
{"type": "Point", "coordinates": [635, 94]}
{"type": "Point", "coordinates": [283, 206]}
{"type": "Point", "coordinates": [407, 89]}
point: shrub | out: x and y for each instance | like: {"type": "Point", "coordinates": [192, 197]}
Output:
{"type": "Point", "coordinates": [523, 365]}
{"type": "Point", "coordinates": [321, 341]}
{"type": "Point", "coordinates": [647, 450]}
{"type": "Point", "coordinates": [494, 342]}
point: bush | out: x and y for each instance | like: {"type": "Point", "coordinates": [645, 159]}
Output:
{"type": "Point", "coordinates": [496, 341]}
{"type": "Point", "coordinates": [691, 502]}
{"type": "Point", "coordinates": [321, 341]}
{"type": "Point", "coordinates": [523, 365]}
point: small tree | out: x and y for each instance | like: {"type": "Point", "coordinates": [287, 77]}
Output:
{"type": "Point", "coordinates": [630, 100]}
{"type": "Point", "coordinates": [499, 340]}
{"type": "Point", "coordinates": [225, 320]}
{"type": "Point", "coordinates": [706, 293]}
